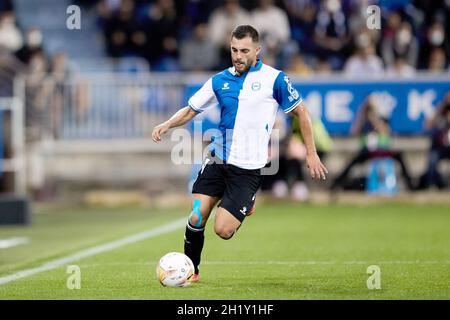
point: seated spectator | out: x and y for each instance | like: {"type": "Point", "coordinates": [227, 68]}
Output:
{"type": "Point", "coordinates": [38, 95]}
{"type": "Point", "coordinates": [302, 15]}
{"type": "Point", "coordinates": [264, 18]}
{"type": "Point", "coordinates": [364, 62]}
{"type": "Point", "coordinates": [375, 136]}
{"type": "Point", "coordinates": [10, 35]}
{"type": "Point", "coordinates": [436, 62]}
{"type": "Point", "coordinates": [10, 68]}
{"type": "Point", "coordinates": [439, 126]}
{"type": "Point", "coordinates": [118, 27]}
{"type": "Point", "coordinates": [331, 34]}
{"type": "Point", "coordinates": [435, 38]}
{"type": "Point", "coordinates": [161, 28]}
{"type": "Point", "coordinates": [403, 44]}
{"type": "Point", "coordinates": [400, 69]}
{"type": "Point", "coordinates": [190, 58]}
{"type": "Point", "coordinates": [323, 67]}
{"type": "Point", "coordinates": [222, 22]}
{"type": "Point", "coordinates": [33, 44]}
{"type": "Point", "coordinates": [298, 67]}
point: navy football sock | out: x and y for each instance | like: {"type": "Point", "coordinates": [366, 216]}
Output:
{"type": "Point", "coordinates": [194, 238]}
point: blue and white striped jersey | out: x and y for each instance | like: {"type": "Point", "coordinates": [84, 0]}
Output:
{"type": "Point", "coordinates": [248, 106]}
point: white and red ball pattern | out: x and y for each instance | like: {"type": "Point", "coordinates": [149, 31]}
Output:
{"type": "Point", "coordinates": [174, 270]}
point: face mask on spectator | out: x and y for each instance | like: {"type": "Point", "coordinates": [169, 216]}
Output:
{"type": "Point", "coordinates": [362, 41]}
{"type": "Point", "coordinates": [34, 39]}
{"type": "Point", "coordinates": [333, 5]}
{"type": "Point", "coordinates": [403, 37]}
{"type": "Point", "coordinates": [437, 38]}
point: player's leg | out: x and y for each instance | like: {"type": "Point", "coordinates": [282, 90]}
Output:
{"type": "Point", "coordinates": [238, 200]}
{"type": "Point", "coordinates": [194, 237]}
{"type": "Point", "coordinates": [226, 224]}
{"type": "Point", "coordinates": [207, 190]}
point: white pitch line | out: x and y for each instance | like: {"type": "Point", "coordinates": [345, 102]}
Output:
{"type": "Point", "coordinates": [172, 226]}
{"type": "Point", "coordinates": [13, 242]}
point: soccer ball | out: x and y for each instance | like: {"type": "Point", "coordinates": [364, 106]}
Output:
{"type": "Point", "coordinates": [174, 270]}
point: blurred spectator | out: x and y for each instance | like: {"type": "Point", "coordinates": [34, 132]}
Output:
{"type": "Point", "coordinates": [70, 97]}
{"type": "Point", "coordinates": [403, 44]}
{"type": "Point", "coordinates": [302, 14]}
{"type": "Point", "coordinates": [154, 28]}
{"type": "Point", "coordinates": [323, 67]}
{"type": "Point", "coordinates": [435, 39]}
{"type": "Point", "coordinates": [195, 12]}
{"type": "Point", "coordinates": [224, 19]}
{"type": "Point", "coordinates": [364, 62]}
{"type": "Point", "coordinates": [190, 57]}
{"type": "Point", "coordinates": [393, 24]}
{"type": "Point", "coordinates": [38, 97]}
{"type": "Point", "coordinates": [297, 66]}
{"type": "Point", "coordinates": [222, 22]}
{"type": "Point", "coordinates": [161, 28]}
{"type": "Point", "coordinates": [10, 35]}
{"type": "Point", "coordinates": [439, 126]}
{"type": "Point", "coordinates": [400, 69]}
{"type": "Point", "coordinates": [265, 17]}
{"type": "Point", "coordinates": [436, 62]}
{"type": "Point", "coordinates": [10, 67]}
{"type": "Point", "coordinates": [331, 34]}
{"type": "Point", "coordinates": [432, 10]}
{"type": "Point", "coordinates": [33, 44]}
{"type": "Point", "coordinates": [375, 136]}
{"type": "Point", "coordinates": [118, 27]}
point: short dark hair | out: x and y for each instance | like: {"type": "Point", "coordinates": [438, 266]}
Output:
{"type": "Point", "coordinates": [242, 31]}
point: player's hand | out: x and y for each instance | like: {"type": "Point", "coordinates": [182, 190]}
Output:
{"type": "Point", "coordinates": [316, 168]}
{"type": "Point", "coordinates": [158, 131]}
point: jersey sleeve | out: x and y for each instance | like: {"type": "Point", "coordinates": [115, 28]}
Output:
{"type": "Point", "coordinates": [203, 98]}
{"type": "Point", "coordinates": [285, 94]}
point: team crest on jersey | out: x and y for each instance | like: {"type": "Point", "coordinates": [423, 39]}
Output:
{"type": "Point", "coordinates": [293, 93]}
{"type": "Point", "coordinates": [226, 86]}
{"type": "Point", "coordinates": [256, 86]}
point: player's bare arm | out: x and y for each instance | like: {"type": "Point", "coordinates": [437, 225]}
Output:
{"type": "Point", "coordinates": [315, 166]}
{"type": "Point", "coordinates": [181, 117]}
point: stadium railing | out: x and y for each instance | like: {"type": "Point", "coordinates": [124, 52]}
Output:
{"type": "Point", "coordinates": [114, 113]}
{"type": "Point", "coordinates": [12, 139]}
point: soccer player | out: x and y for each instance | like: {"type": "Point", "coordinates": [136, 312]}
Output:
{"type": "Point", "coordinates": [248, 94]}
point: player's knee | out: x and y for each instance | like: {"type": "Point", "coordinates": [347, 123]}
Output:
{"type": "Point", "coordinates": [224, 232]}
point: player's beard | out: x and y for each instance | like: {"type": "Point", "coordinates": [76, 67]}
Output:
{"type": "Point", "coordinates": [244, 67]}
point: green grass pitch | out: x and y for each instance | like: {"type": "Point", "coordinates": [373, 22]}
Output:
{"type": "Point", "coordinates": [283, 251]}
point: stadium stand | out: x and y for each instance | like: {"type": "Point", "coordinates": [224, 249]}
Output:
{"type": "Point", "coordinates": [135, 61]}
